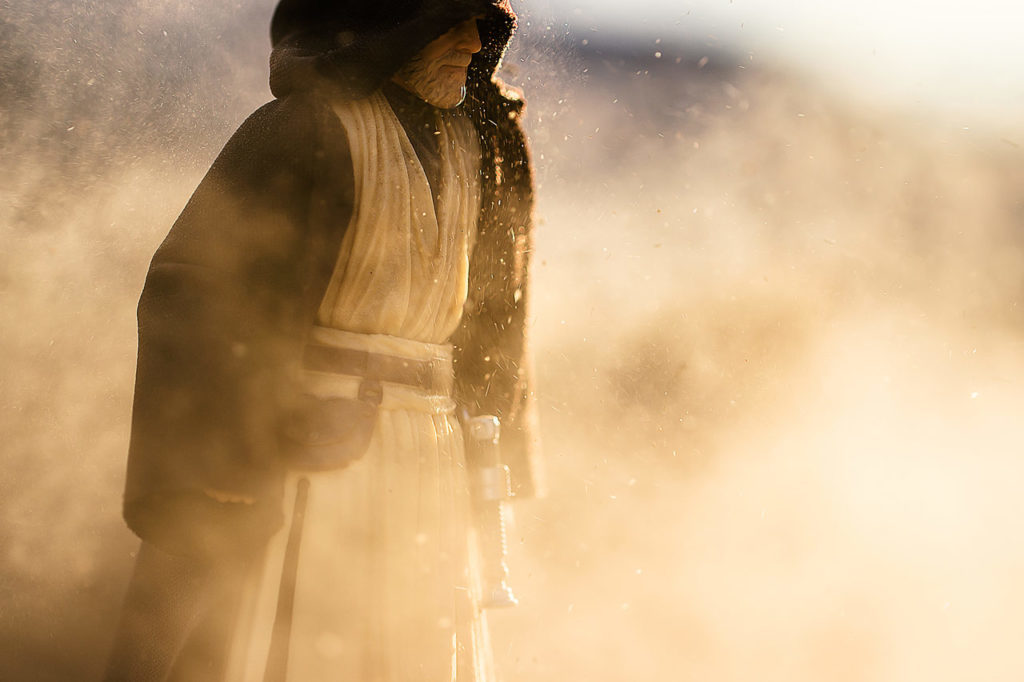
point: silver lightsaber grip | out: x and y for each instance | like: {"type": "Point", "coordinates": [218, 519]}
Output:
{"type": "Point", "coordinates": [490, 486]}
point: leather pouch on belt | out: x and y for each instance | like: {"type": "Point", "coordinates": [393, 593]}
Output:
{"type": "Point", "coordinates": [330, 433]}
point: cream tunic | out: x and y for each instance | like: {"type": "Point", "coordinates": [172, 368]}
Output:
{"type": "Point", "coordinates": [385, 587]}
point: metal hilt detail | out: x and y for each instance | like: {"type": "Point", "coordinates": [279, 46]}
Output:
{"type": "Point", "coordinates": [490, 486]}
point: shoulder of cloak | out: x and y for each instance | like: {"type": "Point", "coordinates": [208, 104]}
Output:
{"type": "Point", "coordinates": [228, 300]}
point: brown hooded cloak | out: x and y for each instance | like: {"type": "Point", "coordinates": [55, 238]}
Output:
{"type": "Point", "coordinates": [233, 290]}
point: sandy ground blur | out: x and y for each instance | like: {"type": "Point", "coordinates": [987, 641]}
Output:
{"type": "Point", "coordinates": [779, 343]}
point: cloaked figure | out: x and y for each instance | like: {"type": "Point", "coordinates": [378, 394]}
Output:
{"type": "Point", "coordinates": [348, 278]}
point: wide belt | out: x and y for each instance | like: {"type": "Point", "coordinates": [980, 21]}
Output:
{"type": "Point", "coordinates": [430, 375]}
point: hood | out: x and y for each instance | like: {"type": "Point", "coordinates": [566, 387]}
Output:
{"type": "Point", "coordinates": [355, 46]}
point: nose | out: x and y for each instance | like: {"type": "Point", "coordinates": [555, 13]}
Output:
{"type": "Point", "coordinates": [468, 37]}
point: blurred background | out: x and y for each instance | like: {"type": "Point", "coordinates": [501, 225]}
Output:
{"type": "Point", "coordinates": [776, 310]}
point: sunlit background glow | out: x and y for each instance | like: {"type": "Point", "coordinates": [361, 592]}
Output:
{"type": "Point", "coordinates": [959, 60]}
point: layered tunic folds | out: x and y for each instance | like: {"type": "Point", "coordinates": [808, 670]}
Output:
{"type": "Point", "coordinates": [384, 589]}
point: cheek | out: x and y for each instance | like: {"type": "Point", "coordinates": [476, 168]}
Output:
{"type": "Point", "coordinates": [451, 73]}
{"type": "Point", "coordinates": [438, 49]}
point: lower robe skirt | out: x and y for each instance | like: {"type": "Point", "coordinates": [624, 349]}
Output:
{"type": "Point", "coordinates": [386, 583]}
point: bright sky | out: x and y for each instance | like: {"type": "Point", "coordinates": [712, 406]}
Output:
{"type": "Point", "coordinates": [963, 59]}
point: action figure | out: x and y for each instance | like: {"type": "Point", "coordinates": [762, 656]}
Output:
{"type": "Point", "coordinates": [348, 278]}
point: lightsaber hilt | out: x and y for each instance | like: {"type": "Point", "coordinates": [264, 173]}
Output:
{"type": "Point", "coordinates": [490, 487]}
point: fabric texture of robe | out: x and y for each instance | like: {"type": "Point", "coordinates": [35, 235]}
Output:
{"type": "Point", "coordinates": [384, 588]}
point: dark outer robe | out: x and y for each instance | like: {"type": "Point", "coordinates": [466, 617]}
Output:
{"type": "Point", "coordinates": [234, 288]}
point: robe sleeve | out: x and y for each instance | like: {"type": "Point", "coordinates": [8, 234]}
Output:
{"type": "Point", "coordinates": [223, 315]}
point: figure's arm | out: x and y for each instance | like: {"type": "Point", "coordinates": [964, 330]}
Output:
{"type": "Point", "coordinates": [224, 312]}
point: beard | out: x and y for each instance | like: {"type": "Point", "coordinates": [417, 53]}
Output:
{"type": "Point", "coordinates": [435, 83]}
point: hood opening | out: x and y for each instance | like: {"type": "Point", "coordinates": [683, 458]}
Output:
{"type": "Point", "coordinates": [355, 46]}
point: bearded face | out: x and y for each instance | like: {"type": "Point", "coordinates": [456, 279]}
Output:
{"type": "Point", "coordinates": [437, 75]}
